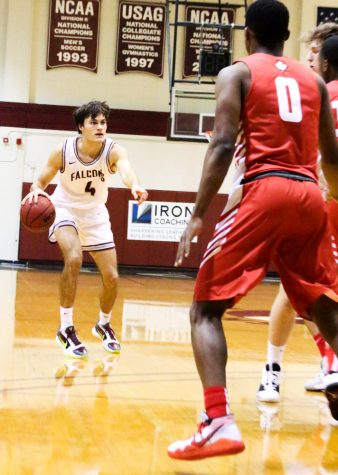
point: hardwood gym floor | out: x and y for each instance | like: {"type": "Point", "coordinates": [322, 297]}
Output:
{"type": "Point", "coordinates": [116, 415]}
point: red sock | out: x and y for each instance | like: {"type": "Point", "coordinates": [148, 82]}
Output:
{"type": "Point", "coordinates": [215, 401]}
{"type": "Point", "coordinates": [321, 343]}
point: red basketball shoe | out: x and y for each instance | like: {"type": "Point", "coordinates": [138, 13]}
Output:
{"type": "Point", "coordinates": [219, 436]}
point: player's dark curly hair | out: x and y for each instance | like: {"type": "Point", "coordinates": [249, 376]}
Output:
{"type": "Point", "coordinates": [269, 20]}
{"type": "Point", "coordinates": [92, 109]}
{"type": "Point", "coordinates": [329, 51]}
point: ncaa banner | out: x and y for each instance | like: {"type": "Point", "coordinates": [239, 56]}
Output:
{"type": "Point", "coordinates": [327, 14]}
{"type": "Point", "coordinates": [158, 220]}
{"type": "Point", "coordinates": [73, 34]}
{"type": "Point", "coordinates": [203, 37]}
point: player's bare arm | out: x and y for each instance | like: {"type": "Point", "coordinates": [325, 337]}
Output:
{"type": "Point", "coordinates": [327, 142]}
{"type": "Point", "coordinates": [53, 165]}
{"type": "Point", "coordinates": [231, 86]}
{"type": "Point", "coordinates": [118, 160]}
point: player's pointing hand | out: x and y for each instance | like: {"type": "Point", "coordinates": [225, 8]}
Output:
{"type": "Point", "coordinates": [193, 229]}
{"type": "Point", "coordinates": [139, 194]}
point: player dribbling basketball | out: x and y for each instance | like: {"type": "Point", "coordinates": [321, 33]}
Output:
{"type": "Point", "coordinates": [85, 163]}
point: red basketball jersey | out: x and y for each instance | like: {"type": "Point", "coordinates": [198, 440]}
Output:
{"type": "Point", "coordinates": [332, 206]}
{"type": "Point", "coordinates": [280, 117]}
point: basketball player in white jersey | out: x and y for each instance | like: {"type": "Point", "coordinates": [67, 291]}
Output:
{"type": "Point", "coordinates": [82, 223]}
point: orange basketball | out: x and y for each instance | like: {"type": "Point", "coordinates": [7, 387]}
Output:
{"type": "Point", "coordinates": [37, 217]}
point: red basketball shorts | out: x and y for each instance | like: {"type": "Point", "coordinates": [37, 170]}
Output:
{"type": "Point", "coordinates": [272, 219]}
{"type": "Point", "coordinates": [332, 208]}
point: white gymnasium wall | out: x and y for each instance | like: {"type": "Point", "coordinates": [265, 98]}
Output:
{"type": "Point", "coordinates": [160, 165]}
{"type": "Point", "coordinates": [16, 73]}
{"type": "Point", "coordinates": [23, 44]}
{"type": "Point", "coordinates": [153, 158]}
{"type": "Point", "coordinates": [71, 86]}
{"type": "Point", "coordinates": [3, 34]}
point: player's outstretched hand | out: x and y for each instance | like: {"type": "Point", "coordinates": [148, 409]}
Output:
{"type": "Point", "coordinates": [139, 194]}
{"type": "Point", "coordinates": [33, 195]}
{"type": "Point", "coordinates": [193, 229]}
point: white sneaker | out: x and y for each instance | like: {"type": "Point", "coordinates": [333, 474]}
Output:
{"type": "Point", "coordinates": [107, 335]}
{"type": "Point", "coordinates": [219, 436]}
{"type": "Point", "coordinates": [316, 384]}
{"type": "Point", "coordinates": [268, 390]}
{"type": "Point", "coordinates": [70, 344]}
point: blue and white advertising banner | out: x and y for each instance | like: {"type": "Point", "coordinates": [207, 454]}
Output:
{"type": "Point", "coordinates": [158, 220]}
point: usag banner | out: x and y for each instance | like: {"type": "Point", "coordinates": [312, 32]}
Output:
{"type": "Point", "coordinates": [73, 34]}
{"type": "Point", "coordinates": [204, 36]}
{"type": "Point", "coordinates": [140, 41]}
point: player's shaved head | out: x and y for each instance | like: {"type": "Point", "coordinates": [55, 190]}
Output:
{"type": "Point", "coordinates": [269, 21]}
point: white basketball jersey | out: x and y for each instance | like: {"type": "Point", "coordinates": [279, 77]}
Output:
{"type": "Point", "coordinates": [82, 185]}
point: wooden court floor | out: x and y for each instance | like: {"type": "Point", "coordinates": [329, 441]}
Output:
{"type": "Point", "coordinates": [117, 415]}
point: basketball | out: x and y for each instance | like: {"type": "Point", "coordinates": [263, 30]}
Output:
{"type": "Point", "coordinates": [37, 217]}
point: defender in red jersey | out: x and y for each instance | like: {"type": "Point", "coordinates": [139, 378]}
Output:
{"type": "Point", "coordinates": [282, 314]}
{"type": "Point", "coordinates": [276, 211]}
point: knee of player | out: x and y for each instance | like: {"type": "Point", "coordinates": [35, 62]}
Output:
{"type": "Point", "coordinates": [110, 279]}
{"type": "Point", "coordinates": [73, 261]}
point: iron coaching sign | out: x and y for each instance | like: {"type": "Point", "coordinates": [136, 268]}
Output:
{"type": "Point", "coordinates": [140, 42]}
{"type": "Point", "coordinates": [158, 220]}
{"type": "Point", "coordinates": [73, 33]}
{"type": "Point", "coordinates": [197, 37]}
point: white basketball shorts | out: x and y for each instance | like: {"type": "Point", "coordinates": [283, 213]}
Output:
{"type": "Point", "coordinates": [92, 225]}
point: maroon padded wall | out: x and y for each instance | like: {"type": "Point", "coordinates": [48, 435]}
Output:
{"type": "Point", "coordinates": [35, 246]}
{"type": "Point", "coordinates": [48, 116]}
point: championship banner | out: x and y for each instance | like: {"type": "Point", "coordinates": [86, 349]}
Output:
{"type": "Point", "coordinates": [197, 37]}
{"type": "Point", "coordinates": [158, 220]}
{"type": "Point", "coordinates": [73, 34]}
{"type": "Point", "coordinates": [327, 14]}
{"type": "Point", "coordinates": [140, 38]}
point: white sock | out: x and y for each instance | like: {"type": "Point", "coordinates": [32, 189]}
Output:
{"type": "Point", "coordinates": [66, 316]}
{"type": "Point", "coordinates": [275, 353]}
{"type": "Point", "coordinates": [104, 318]}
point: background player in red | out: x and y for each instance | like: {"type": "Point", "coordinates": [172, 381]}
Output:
{"type": "Point", "coordinates": [282, 314]}
{"type": "Point", "coordinates": [275, 211]}
{"type": "Point", "coordinates": [85, 163]}
{"type": "Point", "coordinates": [328, 66]}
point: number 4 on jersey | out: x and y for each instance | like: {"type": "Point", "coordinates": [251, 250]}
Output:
{"type": "Point", "coordinates": [90, 189]}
